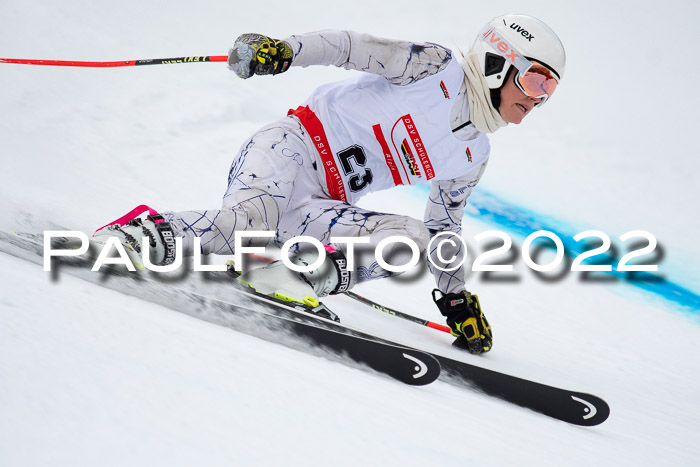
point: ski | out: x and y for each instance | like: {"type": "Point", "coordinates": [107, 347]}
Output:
{"type": "Point", "coordinates": [310, 334]}
{"type": "Point", "coordinates": [569, 406]}
{"type": "Point", "coordinates": [293, 325]}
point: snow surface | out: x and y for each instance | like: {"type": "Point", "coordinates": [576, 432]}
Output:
{"type": "Point", "coordinates": [91, 377]}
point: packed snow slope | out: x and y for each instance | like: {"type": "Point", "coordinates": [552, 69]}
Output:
{"type": "Point", "coordinates": [89, 376]}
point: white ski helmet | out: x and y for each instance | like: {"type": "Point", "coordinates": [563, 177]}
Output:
{"type": "Point", "coordinates": [519, 40]}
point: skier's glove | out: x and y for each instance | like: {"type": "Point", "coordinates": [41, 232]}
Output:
{"type": "Point", "coordinates": [466, 320]}
{"type": "Point", "coordinates": [260, 55]}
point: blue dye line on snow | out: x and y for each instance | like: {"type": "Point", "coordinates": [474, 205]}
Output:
{"type": "Point", "coordinates": [523, 222]}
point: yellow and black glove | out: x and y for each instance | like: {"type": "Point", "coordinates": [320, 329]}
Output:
{"type": "Point", "coordinates": [260, 55]}
{"type": "Point", "coordinates": [466, 320]}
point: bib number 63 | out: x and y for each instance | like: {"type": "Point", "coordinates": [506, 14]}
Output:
{"type": "Point", "coordinates": [358, 177]}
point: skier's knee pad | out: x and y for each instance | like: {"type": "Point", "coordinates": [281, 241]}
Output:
{"type": "Point", "coordinates": [254, 208]}
{"type": "Point", "coordinates": [408, 227]}
{"type": "Point", "coordinates": [416, 231]}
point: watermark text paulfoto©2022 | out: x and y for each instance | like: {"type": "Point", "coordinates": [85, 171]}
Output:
{"type": "Point", "coordinates": [436, 245]}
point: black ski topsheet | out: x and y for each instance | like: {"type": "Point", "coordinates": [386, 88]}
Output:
{"type": "Point", "coordinates": [407, 365]}
{"type": "Point", "coordinates": [319, 335]}
{"type": "Point", "coordinates": [569, 406]}
{"type": "Point", "coordinates": [279, 322]}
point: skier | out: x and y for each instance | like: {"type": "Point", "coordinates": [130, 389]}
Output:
{"type": "Point", "coordinates": [417, 114]}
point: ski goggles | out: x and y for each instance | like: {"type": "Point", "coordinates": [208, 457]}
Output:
{"type": "Point", "coordinates": [533, 78]}
{"type": "Point", "coordinates": [538, 81]}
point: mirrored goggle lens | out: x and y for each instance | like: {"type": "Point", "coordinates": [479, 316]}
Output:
{"type": "Point", "coordinates": [538, 82]}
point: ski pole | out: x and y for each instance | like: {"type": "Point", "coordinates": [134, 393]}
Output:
{"type": "Point", "coordinates": [391, 311]}
{"type": "Point", "coordinates": [153, 61]}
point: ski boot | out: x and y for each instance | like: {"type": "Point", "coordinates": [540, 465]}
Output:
{"type": "Point", "coordinates": [130, 230]}
{"type": "Point", "coordinates": [277, 280]}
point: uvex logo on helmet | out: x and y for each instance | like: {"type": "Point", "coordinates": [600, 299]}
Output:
{"type": "Point", "coordinates": [501, 45]}
{"type": "Point", "coordinates": [522, 31]}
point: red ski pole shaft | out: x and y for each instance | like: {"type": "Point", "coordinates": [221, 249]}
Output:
{"type": "Point", "coordinates": [399, 314]}
{"type": "Point", "coordinates": [154, 61]}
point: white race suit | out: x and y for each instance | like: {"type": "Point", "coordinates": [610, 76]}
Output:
{"type": "Point", "coordinates": [402, 122]}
